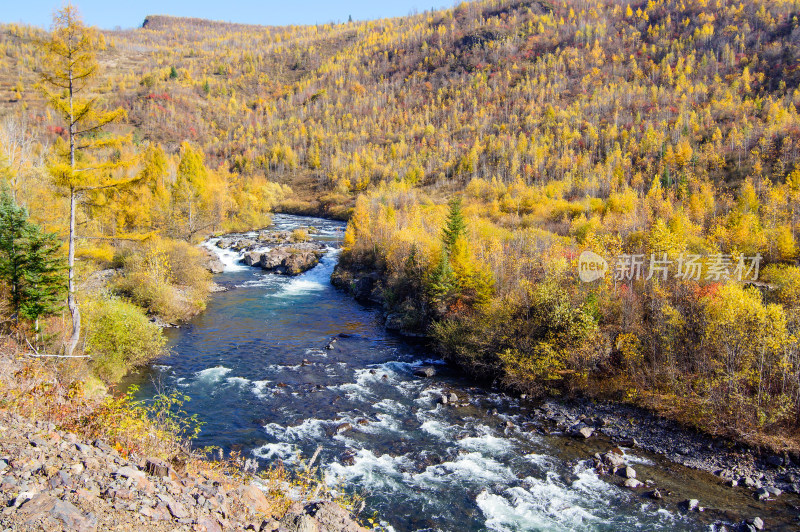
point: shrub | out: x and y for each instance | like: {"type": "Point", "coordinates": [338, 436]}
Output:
{"type": "Point", "coordinates": [166, 277]}
{"type": "Point", "coordinates": [300, 235]}
{"type": "Point", "coordinates": [119, 337]}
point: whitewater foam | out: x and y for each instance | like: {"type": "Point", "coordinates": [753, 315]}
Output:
{"type": "Point", "coordinates": [314, 280]}
{"type": "Point", "coordinates": [284, 451]}
{"type": "Point", "coordinates": [231, 260]}
{"type": "Point", "coordinates": [212, 375]}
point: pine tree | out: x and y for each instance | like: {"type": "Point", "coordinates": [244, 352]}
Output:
{"type": "Point", "coordinates": [13, 224]}
{"type": "Point", "coordinates": [44, 280]}
{"type": "Point", "coordinates": [442, 281]}
{"type": "Point", "coordinates": [30, 264]}
{"type": "Point", "coordinates": [455, 226]}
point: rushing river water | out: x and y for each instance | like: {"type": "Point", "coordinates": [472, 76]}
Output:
{"type": "Point", "coordinates": [257, 369]}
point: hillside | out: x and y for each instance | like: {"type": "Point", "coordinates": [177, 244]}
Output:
{"type": "Point", "coordinates": [414, 98]}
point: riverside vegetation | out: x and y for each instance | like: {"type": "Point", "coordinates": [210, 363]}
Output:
{"type": "Point", "coordinates": [666, 126]}
{"type": "Point", "coordinates": [76, 455]}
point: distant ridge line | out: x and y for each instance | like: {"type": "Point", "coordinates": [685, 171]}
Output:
{"type": "Point", "coordinates": [157, 22]}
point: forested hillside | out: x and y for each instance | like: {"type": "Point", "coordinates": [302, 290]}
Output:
{"type": "Point", "coordinates": [665, 129]}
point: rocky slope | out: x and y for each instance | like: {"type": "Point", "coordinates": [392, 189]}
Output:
{"type": "Point", "coordinates": [53, 480]}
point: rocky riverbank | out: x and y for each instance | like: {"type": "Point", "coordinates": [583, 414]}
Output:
{"type": "Point", "coordinates": [55, 480]}
{"type": "Point", "coordinates": [764, 475]}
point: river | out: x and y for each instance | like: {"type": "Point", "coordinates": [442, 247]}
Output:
{"type": "Point", "coordinates": [257, 369]}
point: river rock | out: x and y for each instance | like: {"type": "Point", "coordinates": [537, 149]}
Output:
{"type": "Point", "coordinates": [425, 371]}
{"type": "Point", "coordinates": [632, 483]}
{"type": "Point", "coordinates": [689, 505]}
{"type": "Point", "coordinates": [750, 482]}
{"type": "Point", "coordinates": [629, 472]}
{"type": "Point", "coordinates": [245, 243]}
{"type": "Point", "coordinates": [766, 493]}
{"type": "Point", "coordinates": [212, 262]}
{"type": "Point", "coordinates": [252, 258]}
{"type": "Point", "coordinates": [291, 260]}
{"type": "Point", "coordinates": [298, 263]}
{"type": "Point", "coordinates": [655, 495]}
{"type": "Point", "coordinates": [613, 459]}
{"type": "Point", "coordinates": [344, 427]}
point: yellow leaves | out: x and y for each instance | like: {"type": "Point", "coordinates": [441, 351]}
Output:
{"type": "Point", "coordinates": [630, 348]}
{"type": "Point", "coordinates": [359, 225]}
{"type": "Point", "coordinates": [623, 202]}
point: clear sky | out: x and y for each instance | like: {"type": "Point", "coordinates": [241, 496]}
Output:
{"type": "Point", "coordinates": [130, 13]}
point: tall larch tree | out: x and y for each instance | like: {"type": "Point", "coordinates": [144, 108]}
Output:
{"type": "Point", "coordinates": [67, 77]}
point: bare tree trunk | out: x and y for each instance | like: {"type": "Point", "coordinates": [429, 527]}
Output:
{"type": "Point", "coordinates": [72, 303]}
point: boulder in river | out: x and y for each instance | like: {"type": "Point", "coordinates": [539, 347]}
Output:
{"type": "Point", "coordinates": [689, 505]}
{"type": "Point", "coordinates": [425, 371]}
{"type": "Point", "coordinates": [252, 258]}
{"type": "Point", "coordinates": [632, 483]}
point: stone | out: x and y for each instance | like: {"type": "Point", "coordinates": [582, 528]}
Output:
{"type": "Point", "coordinates": [177, 510]}
{"type": "Point", "coordinates": [655, 495]}
{"type": "Point", "coordinates": [269, 525]}
{"type": "Point", "coordinates": [757, 523]}
{"type": "Point", "coordinates": [632, 483]}
{"type": "Point", "coordinates": [252, 258]}
{"type": "Point", "coordinates": [425, 371]}
{"type": "Point", "coordinates": [292, 522]}
{"type": "Point", "coordinates": [689, 505]}
{"type": "Point", "coordinates": [775, 461]}
{"type": "Point", "coordinates": [453, 397]}
{"type": "Point", "coordinates": [254, 499]}
{"type": "Point", "coordinates": [103, 446]}
{"type": "Point", "coordinates": [331, 516]}
{"type": "Point", "coordinates": [613, 459]}
{"type": "Point", "coordinates": [774, 491]}
{"type": "Point", "coordinates": [762, 494]}
{"type": "Point", "coordinates": [157, 468]}
{"type": "Point", "coordinates": [629, 472]}
{"type": "Point", "coordinates": [344, 427]}
{"type": "Point", "coordinates": [139, 478]}
{"type": "Point", "coordinates": [584, 432]}
{"type": "Point", "coordinates": [42, 506]}
{"type": "Point", "coordinates": [750, 482]}
{"type": "Point", "coordinates": [443, 399]}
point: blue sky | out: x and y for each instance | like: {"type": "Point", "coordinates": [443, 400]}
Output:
{"type": "Point", "coordinates": [129, 14]}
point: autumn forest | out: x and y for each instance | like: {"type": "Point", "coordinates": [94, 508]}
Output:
{"type": "Point", "coordinates": [477, 152]}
